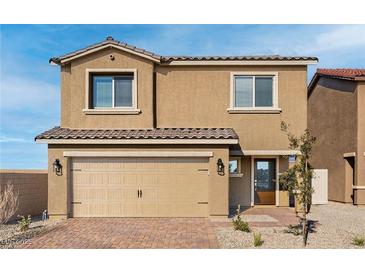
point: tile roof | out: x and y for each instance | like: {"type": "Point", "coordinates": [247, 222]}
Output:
{"type": "Point", "coordinates": [110, 41]}
{"type": "Point", "coordinates": [339, 73]}
{"type": "Point", "coordinates": [344, 73]}
{"type": "Point", "coordinates": [156, 133]}
{"type": "Point", "coordinates": [238, 58]}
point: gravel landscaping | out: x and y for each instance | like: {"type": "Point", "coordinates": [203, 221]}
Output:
{"type": "Point", "coordinates": [10, 236]}
{"type": "Point", "coordinates": [337, 225]}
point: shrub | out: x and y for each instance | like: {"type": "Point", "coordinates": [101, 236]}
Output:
{"type": "Point", "coordinates": [358, 241]}
{"type": "Point", "coordinates": [239, 224]}
{"type": "Point", "coordinates": [24, 222]}
{"type": "Point", "coordinates": [9, 202]}
{"type": "Point", "coordinates": [257, 240]}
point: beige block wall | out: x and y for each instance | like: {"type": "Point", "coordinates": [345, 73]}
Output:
{"type": "Point", "coordinates": [32, 188]}
{"type": "Point", "coordinates": [332, 119]}
{"type": "Point", "coordinates": [73, 91]}
{"type": "Point", "coordinates": [58, 186]}
{"type": "Point", "coordinates": [199, 96]}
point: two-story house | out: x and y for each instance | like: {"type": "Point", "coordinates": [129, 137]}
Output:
{"type": "Point", "coordinates": [336, 115]}
{"type": "Point", "coordinates": [149, 135]}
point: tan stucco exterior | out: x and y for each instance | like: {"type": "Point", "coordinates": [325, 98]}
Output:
{"type": "Point", "coordinates": [200, 96]}
{"type": "Point", "coordinates": [335, 117]}
{"type": "Point", "coordinates": [182, 96]}
{"type": "Point", "coordinates": [73, 91]}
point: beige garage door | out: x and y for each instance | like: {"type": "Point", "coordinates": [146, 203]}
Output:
{"type": "Point", "coordinates": [139, 187]}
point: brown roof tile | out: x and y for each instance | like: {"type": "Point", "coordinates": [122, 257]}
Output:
{"type": "Point", "coordinates": [156, 133]}
{"type": "Point", "coordinates": [339, 73]}
{"type": "Point", "coordinates": [342, 73]}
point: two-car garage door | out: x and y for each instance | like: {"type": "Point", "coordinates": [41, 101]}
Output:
{"type": "Point", "coordinates": [139, 187]}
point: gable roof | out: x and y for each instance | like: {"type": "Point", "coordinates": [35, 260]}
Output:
{"type": "Point", "coordinates": [339, 73]}
{"type": "Point", "coordinates": [110, 42]}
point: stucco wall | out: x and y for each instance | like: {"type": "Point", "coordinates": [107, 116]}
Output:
{"type": "Point", "coordinates": [32, 188]}
{"type": "Point", "coordinates": [240, 187]}
{"type": "Point", "coordinates": [73, 91]}
{"type": "Point", "coordinates": [58, 188]}
{"type": "Point", "coordinates": [360, 163]}
{"type": "Point", "coordinates": [199, 96]}
{"type": "Point", "coordinates": [332, 119]}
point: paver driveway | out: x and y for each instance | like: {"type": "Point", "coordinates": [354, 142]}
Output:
{"type": "Point", "coordinates": [128, 233]}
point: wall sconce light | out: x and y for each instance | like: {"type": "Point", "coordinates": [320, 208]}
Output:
{"type": "Point", "coordinates": [220, 167]}
{"type": "Point", "coordinates": [57, 167]}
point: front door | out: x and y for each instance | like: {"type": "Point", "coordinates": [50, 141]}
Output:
{"type": "Point", "coordinates": [265, 181]}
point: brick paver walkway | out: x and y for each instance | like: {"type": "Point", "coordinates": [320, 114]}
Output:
{"type": "Point", "coordinates": [128, 233]}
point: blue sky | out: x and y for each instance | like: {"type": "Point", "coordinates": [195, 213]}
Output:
{"type": "Point", "coordinates": [29, 86]}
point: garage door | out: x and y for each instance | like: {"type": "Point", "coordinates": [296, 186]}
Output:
{"type": "Point", "coordinates": [139, 187]}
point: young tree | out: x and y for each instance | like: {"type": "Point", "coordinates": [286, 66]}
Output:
{"type": "Point", "coordinates": [298, 178]}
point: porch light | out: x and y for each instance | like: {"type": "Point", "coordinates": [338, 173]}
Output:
{"type": "Point", "coordinates": [57, 167]}
{"type": "Point", "coordinates": [220, 167]}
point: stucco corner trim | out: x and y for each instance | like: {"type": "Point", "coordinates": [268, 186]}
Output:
{"type": "Point", "coordinates": [266, 152]}
{"type": "Point", "coordinates": [159, 154]}
{"type": "Point", "coordinates": [358, 187]}
{"type": "Point", "coordinates": [254, 111]}
{"type": "Point", "coordinates": [349, 154]}
{"type": "Point", "coordinates": [236, 175]}
{"type": "Point", "coordinates": [111, 111]}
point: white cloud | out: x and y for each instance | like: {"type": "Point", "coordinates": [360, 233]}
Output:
{"type": "Point", "coordinates": [337, 39]}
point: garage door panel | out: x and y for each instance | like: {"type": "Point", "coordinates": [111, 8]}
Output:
{"type": "Point", "coordinates": [108, 187]}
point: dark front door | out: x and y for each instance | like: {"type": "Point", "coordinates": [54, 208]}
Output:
{"type": "Point", "coordinates": [265, 181]}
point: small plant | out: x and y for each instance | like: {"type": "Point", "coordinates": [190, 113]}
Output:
{"type": "Point", "coordinates": [241, 225]}
{"type": "Point", "coordinates": [358, 241]}
{"type": "Point", "coordinates": [9, 202]}
{"type": "Point", "coordinates": [24, 222]}
{"type": "Point", "coordinates": [257, 240]}
{"type": "Point", "coordinates": [296, 230]}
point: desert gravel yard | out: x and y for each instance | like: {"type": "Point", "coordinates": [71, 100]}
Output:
{"type": "Point", "coordinates": [337, 225]}
{"type": "Point", "coordinates": [10, 236]}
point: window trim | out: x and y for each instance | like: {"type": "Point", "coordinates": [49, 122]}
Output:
{"type": "Point", "coordinates": [274, 109]}
{"type": "Point", "coordinates": [111, 110]}
{"type": "Point", "coordinates": [239, 169]}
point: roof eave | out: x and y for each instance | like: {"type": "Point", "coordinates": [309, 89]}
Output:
{"type": "Point", "coordinates": [238, 62]}
{"type": "Point", "coordinates": [138, 141]}
{"type": "Point", "coordinates": [110, 44]}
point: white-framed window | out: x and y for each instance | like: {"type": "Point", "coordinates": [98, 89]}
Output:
{"type": "Point", "coordinates": [234, 166]}
{"type": "Point", "coordinates": [111, 91]}
{"type": "Point", "coordinates": [254, 91]}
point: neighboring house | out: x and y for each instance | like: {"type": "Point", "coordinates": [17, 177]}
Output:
{"type": "Point", "coordinates": [336, 116]}
{"type": "Point", "coordinates": [149, 135]}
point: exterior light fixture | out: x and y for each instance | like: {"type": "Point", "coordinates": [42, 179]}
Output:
{"type": "Point", "coordinates": [57, 167]}
{"type": "Point", "coordinates": [220, 167]}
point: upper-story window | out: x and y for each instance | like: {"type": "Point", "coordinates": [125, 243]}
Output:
{"type": "Point", "coordinates": [112, 91]}
{"type": "Point", "coordinates": [254, 91]}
